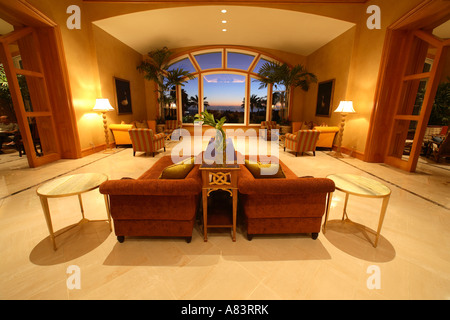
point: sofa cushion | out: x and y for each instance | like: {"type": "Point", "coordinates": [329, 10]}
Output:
{"type": "Point", "coordinates": [178, 170]}
{"type": "Point", "coordinates": [255, 169]}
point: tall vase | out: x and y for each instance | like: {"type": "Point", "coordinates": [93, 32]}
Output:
{"type": "Point", "coordinates": [221, 147]}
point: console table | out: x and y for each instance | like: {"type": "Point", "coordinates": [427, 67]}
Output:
{"type": "Point", "coordinates": [69, 186]}
{"type": "Point", "coordinates": [215, 178]}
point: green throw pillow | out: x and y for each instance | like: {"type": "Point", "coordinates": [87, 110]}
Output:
{"type": "Point", "coordinates": [255, 170]}
{"type": "Point", "coordinates": [178, 170]}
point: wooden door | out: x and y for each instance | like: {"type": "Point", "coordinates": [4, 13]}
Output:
{"type": "Point", "coordinates": [419, 78]}
{"type": "Point", "coordinates": [20, 55]}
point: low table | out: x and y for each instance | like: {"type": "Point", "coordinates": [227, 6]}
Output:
{"type": "Point", "coordinates": [69, 186]}
{"type": "Point", "coordinates": [360, 186]}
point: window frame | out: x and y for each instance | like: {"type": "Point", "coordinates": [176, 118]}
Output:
{"type": "Point", "coordinates": [249, 75]}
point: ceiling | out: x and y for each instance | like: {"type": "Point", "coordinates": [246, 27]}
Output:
{"type": "Point", "coordinates": [180, 27]}
{"type": "Point", "coordinates": [5, 27]}
{"type": "Point", "coordinates": [443, 31]}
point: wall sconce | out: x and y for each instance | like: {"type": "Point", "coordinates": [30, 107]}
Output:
{"type": "Point", "coordinates": [103, 106]}
{"type": "Point", "coordinates": [344, 108]}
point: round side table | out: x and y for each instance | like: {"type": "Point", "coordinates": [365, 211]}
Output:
{"type": "Point", "coordinates": [360, 186]}
{"type": "Point", "coordinates": [69, 186]}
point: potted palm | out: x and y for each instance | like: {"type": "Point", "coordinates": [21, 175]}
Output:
{"type": "Point", "coordinates": [220, 144]}
{"type": "Point", "coordinates": [283, 79]}
{"type": "Point", "coordinates": [156, 68]}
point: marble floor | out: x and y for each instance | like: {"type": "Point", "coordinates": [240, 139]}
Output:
{"type": "Point", "coordinates": [412, 260]}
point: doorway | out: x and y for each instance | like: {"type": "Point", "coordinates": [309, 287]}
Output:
{"type": "Point", "coordinates": [413, 103]}
{"type": "Point", "coordinates": [411, 69]}
{"type": "Point", "coordinates": [34, 64]}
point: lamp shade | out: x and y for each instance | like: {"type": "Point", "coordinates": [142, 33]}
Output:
{"type": "Point", "coordinates": [345, 107]}
{"type": "Point", "coordinates": [102, 105]}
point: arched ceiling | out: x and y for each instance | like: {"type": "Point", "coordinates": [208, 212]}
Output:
{"type": "Point", "coordinates": [285, 30]}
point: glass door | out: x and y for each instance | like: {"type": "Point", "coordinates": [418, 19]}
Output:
{"type": "Point", "coordinates": [21, 58]}
{"type": "Point", "coordinates": [414, 100]}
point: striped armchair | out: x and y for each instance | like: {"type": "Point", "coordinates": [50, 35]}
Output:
{"type": "Point", "coordinates": [145, 140]}
{"type": "Point", "coordinates": [302, 141]}
{"type": "Point", "coordinates": [268, 126]}
{"type": "Point", "coordinates": [171, 126]}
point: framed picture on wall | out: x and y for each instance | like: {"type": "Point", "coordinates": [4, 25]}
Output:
{"type": "Point", "coordinates": [123, 96]}
{"type": "Point", "coordinates": [325, 98]}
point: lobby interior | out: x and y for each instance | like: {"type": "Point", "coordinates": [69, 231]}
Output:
{"type": "Point", "coordinates": [412, 256]}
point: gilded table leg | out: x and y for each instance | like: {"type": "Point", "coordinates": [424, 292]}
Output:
{"type": "Point", "coordinates": [344, 214]}
{"type": "Point", "coordinates": [205, 214]}
{"type": "Point", "coordinates": [235, 195]}
{"type": "Point", "coordinates": [81, 206]}
{"type": "Point", "coordinates": [327, 212]}
{"type": "Point", "coordinates": [382, 214]}
{"type": "Point", "coordinates": [46, 209]}
{"type": "Point", "coordinates": [108, 210]}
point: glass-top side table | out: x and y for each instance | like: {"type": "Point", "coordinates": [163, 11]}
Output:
{"type": "Point", "coordinates": [360, 186]}
{"type": "Point", "coordinates": [69, 186]}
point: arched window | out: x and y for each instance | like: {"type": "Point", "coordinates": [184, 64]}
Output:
{"type": "Point", "coordinates": [225, 84]}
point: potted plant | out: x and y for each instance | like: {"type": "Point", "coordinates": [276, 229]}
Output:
{"type": "Point", "coordinates": [159, 124]}
{"type": "Point", "coordinates": [156, 68]}
{"type": "Point", "coordinates": [283, 79]}
{"type": "Point", "coordinates": [220, 143]}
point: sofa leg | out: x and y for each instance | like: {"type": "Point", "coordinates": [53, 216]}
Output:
{"type": "Point", "coordinates": [249, 237]}
{"type": "Point", "coordinates": [121, 239]}
{"type": "Point", "coordinates": [134, 153]}
{"type": "Point", "coordinates": [314, 235]}
{"type": "Point", "coordinates": [285, 149]}
{"type": "Point", "coordinates": [188, 239]}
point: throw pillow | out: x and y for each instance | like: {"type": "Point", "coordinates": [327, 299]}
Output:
{"type": "Point", "coordinates": [255, 170]}
{"type": "Point", "coordinates": [140, 124]}
{"type": "Point", "coordinates": [178, 170]}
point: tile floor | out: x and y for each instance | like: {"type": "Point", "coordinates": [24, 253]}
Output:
{"type": "Point", "coordinates": [412, 258]}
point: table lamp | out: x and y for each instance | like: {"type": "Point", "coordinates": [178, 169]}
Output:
{"type": "Point", "coordinates": [344, 108]}
{"type": "Point", "coordinates": [103, 106]}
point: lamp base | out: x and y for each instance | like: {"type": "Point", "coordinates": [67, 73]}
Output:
{"type": "Point", "coordinates": [336, 154]}
{"type": "Point", "coordinates": [109, 151]}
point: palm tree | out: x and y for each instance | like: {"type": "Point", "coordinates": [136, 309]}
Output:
{"type": "Point", "coordinates": [156, 68]}
{"type": "Point", "coordinates": [280, 74]}
{"type": "Point", "coordinates": [193, 101]}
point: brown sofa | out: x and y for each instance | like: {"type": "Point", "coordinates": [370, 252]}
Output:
{"type": "Point", "coordinates": [154, 207]}
{"type": "Point", "coordinates": [283, 205]}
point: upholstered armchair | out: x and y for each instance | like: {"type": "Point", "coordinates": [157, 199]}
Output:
{"type": "Point", "coordinates": [268, 126]}
{"type": "Point", "coordinates": [302, 141]}
{"type": "Point", "coordinates": [171, 126]}
{"type": "Point", "coordinates": [144, 140]}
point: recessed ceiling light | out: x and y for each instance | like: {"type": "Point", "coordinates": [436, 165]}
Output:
{"type": "Point", "coordinates": [224, 30]}
{"type": "Point", "coordinates": [224, 11]}
{"type": "Point", "coordinates": [224, 21]}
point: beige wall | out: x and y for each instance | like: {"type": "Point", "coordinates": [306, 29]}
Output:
{"type": "Point", "coordinates": [332, 61]}
{"type": "Point", "coordinates": [115, 59]}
